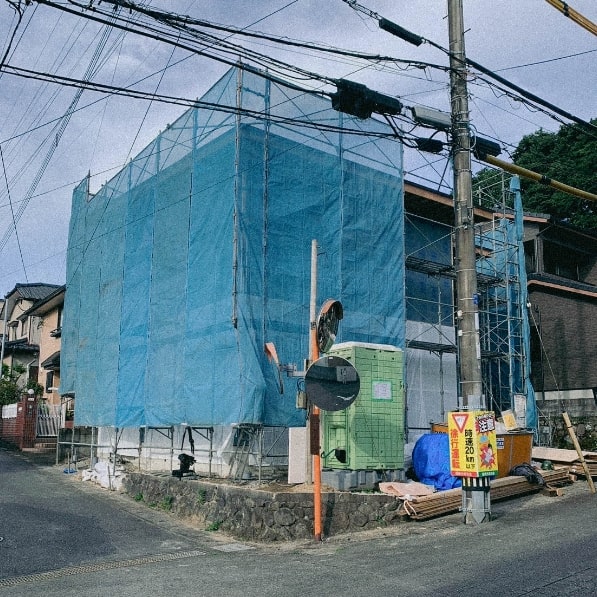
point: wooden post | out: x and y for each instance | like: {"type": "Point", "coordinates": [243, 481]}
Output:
{"type": "Point", "coordinates": [579, 451]}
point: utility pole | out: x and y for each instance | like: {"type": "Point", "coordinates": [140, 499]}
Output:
{"type": "Point", "coordinates": [353, 99]}
{"type": "Point", "coordinates": [476, 500]}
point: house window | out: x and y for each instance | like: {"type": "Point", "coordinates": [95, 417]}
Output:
{"type": "Point", "coordinates": [563, 261]}
{"type": "Point", "coordinates": [49, 381]}
{"type": "Point", "coordinates": [530, 260]}
{"type": "Point", "coordinates": [57, 332]}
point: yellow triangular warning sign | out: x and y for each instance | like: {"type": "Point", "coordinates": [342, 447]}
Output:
{"type": "Point", "coordinates": [460, 420]}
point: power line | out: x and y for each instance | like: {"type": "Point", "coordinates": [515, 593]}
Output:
{"type": "Point", "coordinates": [59, 132]}
{"type": "Point", "coordinates": [415, 39]}
{"type": "Point", "coordinates": [19, 12]}
{"type": "Point", "coordinates": [162, 35]}
{"type": "Point", "coordinates": [184, 21]}
{"type": "Point", "coordinates": [14, 222]}
{"type": "Point", "coordinates": [181, 22]}
{"type": "Point", "coordinates": [215, 44]}
{"type": "Point", "coordinates": [73, 37]}
{"type": "Point", "coordinates": [547, 61]}
{"type": "Point", "coordinates": [189, 103]}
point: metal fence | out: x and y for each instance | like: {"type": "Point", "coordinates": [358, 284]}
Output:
{"type": "Point", "coordinates": [49, 418]}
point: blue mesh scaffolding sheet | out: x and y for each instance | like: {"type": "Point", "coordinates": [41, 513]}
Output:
{"type": "Point", "coordinates": [198, 252]}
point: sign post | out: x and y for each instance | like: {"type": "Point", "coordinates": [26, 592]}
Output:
{"type": "Point", "coordinates": [473, 457]}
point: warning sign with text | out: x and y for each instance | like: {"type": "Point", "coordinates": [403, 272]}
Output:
{"type": "Point", "coordinates": [473, 450]}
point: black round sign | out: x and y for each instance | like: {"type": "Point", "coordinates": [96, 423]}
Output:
{"type": "Point", "coordinates": [332, 383]}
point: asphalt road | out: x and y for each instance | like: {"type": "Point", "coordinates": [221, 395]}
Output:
{"type": "Point", "coordinates": [61, 536]}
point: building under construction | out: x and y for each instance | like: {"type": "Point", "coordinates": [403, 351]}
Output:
{"type": "Point", "coordinates": [198, 252]}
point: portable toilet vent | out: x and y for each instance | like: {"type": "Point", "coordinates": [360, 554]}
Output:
{"type": "Point", "coordinates": [369, 434]}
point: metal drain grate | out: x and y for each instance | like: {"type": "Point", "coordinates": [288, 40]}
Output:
{"type": "Point", "coordinates": [74, 570]}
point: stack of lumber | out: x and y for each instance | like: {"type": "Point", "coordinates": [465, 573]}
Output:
{"type": "Point", "coordinates": [446, 502]}
{"type": "Point", "coordinates": [567, 458]}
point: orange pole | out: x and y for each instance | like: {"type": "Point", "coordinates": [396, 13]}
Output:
{"type": "Point", "coordinates": [316, 486]}
{"type": "Point", "coordinates": [316, 463]}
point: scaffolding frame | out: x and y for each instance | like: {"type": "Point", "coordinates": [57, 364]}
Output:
{"type": "Point", "coordinates": [502, 355]}
{"type": "Point", "coordinates": [501, 339]}
{"type": "Point", "coordinates": [257, 442]}
{"type": "Point", "coordinates": [428, 316]}
{"type": "Point", "coordinates": [250, 442]}
{"type": "Point", "coordinates": [123, 452]}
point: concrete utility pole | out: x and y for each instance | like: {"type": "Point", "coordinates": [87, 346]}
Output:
{"type": "Point", "coordinates": [466, 272]}
{"type": "Point", "coordinates": [475, 491]}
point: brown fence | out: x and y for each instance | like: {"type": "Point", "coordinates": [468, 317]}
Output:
{"type": "Point", "coordinates": [18, 422]}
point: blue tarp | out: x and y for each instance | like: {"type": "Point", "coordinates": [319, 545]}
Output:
{"type": "Point", "coordinates": [197, 253]}
{"type": "Point", "coordinates": [431, 461]}
{"type": "Point", "coordinates": [527, 385]}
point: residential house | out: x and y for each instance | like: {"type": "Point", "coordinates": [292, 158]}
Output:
{"type": "Point", "coordinates": [562, 282]}
{"type": "Point", "coordinates": [561, 267]}
{"type": "Point", "coordinates": [22, 330]}
{"type": "Point", "coordinates": [48, 312]}
{"type": "Point", "coordinates": [22, 338]}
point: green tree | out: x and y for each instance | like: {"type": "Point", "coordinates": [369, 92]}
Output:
{"type": "Point", "coordinates": [568, 156]}
{"type": "Point", "coordinates": [11, 389]}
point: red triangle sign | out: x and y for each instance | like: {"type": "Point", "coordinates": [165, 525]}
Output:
{"type": "Point", "coordinates": [460, 420]}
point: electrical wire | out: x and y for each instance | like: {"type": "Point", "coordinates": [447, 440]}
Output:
{"type": "Point", "coordinates": [67, 49]}
{"type": "Point", "coordinates": [547, 61]}
{"type": "Point", "coordinates": [176, 20]}
{"type": "Point", "coordinates": [191, 37]}
{"type": "Point", "coordinates": [231, 48]}
{"type": "Point", "coordinates": [164, 36]}
{"type": "Point", "coordinates": [19, 13]}
{"type": "Point", "coordinates": [183, 21]}
{"type": "Point", "coordinates": [59, 132]}
{"type": "Point", "coordinates": [187, 102]}
{"type": "Point", "coordinates": [14, 221]}
{"type": "Point", "coordinates": [525, 95]}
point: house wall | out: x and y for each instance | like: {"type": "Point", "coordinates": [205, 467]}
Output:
{"type": "Point", "coordinates": [48, 345]}
{"type": "Point", "coordinates": [20, 328]}
{"type": "Point", "coordinates": [568, 327]}
{"type": "Point", "coordinates": [28, 360]}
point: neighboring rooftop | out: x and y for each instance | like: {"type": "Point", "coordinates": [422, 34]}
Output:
{"type": "Point", "coordinates": [34, 291]}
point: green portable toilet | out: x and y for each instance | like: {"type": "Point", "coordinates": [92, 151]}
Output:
{"type": "Point", "coordinates": [369, 434]}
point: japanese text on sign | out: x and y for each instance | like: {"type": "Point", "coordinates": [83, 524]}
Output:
{"type": "Point", "coordinates": [472, 442]}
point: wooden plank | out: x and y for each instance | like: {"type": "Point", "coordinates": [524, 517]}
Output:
{"type": "Point", "coordinates": [554, 454]}
{"type": "Point", "coordinates": [552, 491]}
{"type": "Point", "coordinates": [446, 502]}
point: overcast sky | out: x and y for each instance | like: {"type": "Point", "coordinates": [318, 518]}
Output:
{"type": "Point", "coordinates": [526, 41]}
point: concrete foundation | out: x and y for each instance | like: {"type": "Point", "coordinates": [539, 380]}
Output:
{"type": "Point", "coordinates": [346, 480]}
{"type": "Point", "coordinates": [267, 514]}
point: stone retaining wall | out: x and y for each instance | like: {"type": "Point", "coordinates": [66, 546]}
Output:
{"type": "Point", "coordinates": [261, 514]}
